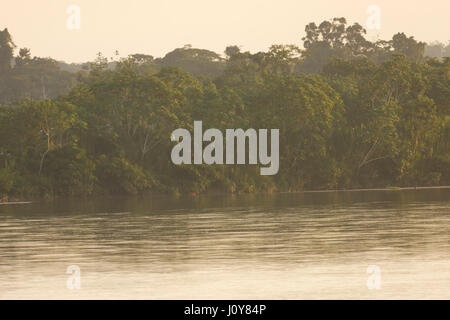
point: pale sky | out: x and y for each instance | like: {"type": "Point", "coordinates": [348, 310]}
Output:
{"type": "Point", "coordinates": [157, 27]}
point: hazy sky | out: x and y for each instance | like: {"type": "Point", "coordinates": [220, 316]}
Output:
{"type": "Point", "coordinates": [157, 27]}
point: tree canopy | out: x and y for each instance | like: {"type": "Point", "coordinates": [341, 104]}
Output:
{"type": "Point", "coordinates": [351, 113]}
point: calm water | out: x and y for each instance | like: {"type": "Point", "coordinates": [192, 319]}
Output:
{"type": "Point", "coordinates": [284, 246]}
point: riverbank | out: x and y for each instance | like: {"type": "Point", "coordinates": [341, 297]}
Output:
{"type": "Point", "coordinates": [372, 189]}
{"type": "Point", "coordinates": [15, 202]}
{"type": "Point", "coordinates": [19, 201]}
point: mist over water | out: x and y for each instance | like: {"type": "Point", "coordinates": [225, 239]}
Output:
{"type": "Point", "coordinates": [281, 246]}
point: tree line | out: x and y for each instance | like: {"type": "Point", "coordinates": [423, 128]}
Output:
{"type": "Point", "coordinates": [351, 113]}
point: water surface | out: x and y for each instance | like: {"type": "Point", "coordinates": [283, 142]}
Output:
{"type": "Point", "coordinates": [282, 246]}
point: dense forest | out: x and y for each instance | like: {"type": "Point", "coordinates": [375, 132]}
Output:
{"type": "Point", "coordinates": [352, 113]}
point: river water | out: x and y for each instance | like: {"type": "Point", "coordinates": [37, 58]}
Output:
{"type": "Point", "coordinates": [382, 244]}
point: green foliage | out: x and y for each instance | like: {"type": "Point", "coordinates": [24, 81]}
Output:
{"type": "Point", "coordinates": [117, 175]}
{"type": "Point", "coordinates": [198, 62]}
{"type": "Point", "coordinates": [6, 51]}
{"type": "Point", "coordinates": [437, 50]}
{"type": "Point", "coordinates": [336, 39]}
{"type": "Point", "coordinates": [70, 171]}
{"type": "Point", "coordinates": [35, 78]}
{"type": "Point", "coordinates": [371, 115]}
{"type": "Point", "coordinates": [6, 181]}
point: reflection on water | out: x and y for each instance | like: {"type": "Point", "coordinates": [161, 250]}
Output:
{"type": "Point", "coordinates": [284, 246]}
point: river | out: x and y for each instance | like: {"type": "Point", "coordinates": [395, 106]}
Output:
{"type": "Point", "coordinates": [383, 244]}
